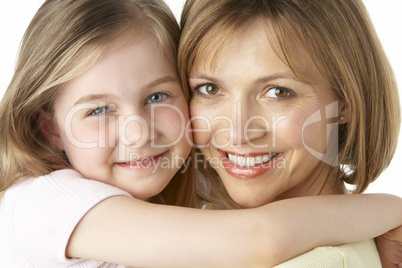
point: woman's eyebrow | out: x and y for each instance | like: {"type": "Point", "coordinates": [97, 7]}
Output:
{"type": "Point", "coordinates": [263, 79]}
{"type": "Point", "coordinates": [205, 77]}
{"type": "Point", "coordinates": [273, 77]}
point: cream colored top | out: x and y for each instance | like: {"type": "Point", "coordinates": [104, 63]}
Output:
{"type": "Point", "coordinates": [361, 254]}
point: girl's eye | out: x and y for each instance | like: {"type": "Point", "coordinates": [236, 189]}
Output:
{"type": "Point", "coordinates": [101, 110]}
{"type": "Point", "coordinates": [209, 89]}
{"type": "Point", "coordinates": [156, 98]}
{"type": "Point", "coordinates": [278, 92]}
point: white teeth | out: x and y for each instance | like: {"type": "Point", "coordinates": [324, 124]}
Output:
{"type": "Point", "coordinates": [266, 158]}
{"type": "Point", "coordinates": [250, 161]}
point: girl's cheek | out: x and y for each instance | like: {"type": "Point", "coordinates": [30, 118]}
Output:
{"type": "Point", "coordinates": [100, 133]}
{"type": "Point", "coordinates": [171, 121]}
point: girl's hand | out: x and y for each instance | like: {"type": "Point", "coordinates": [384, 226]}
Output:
{"type": "Point", "coordinates": [390, 248]}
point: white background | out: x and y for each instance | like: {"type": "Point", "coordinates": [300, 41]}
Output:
{"type": "Point", "coordinates": [386, 14]}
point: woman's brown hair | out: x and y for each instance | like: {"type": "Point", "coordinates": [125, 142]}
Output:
{"type": "Point", "coordinates": [339, 38]}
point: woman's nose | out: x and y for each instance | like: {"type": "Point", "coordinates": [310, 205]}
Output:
{"type": "Point", "coordinates": [246, 124]}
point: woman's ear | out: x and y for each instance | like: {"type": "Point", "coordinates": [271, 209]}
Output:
{"type": "Point", "coordinates": [48, 129]}
{"type": "Point", "coordinates": [344, 114]}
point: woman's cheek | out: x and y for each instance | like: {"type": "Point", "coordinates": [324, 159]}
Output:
{"type": "Point", "coordinates": [201, 125]}
{"type": "Point", "coordinates": [302, 130]}
{"type": "Point", "coordinates": [201, 131]}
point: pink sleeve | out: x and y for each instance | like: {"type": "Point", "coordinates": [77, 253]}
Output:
{"type": "Point", "coordinates": [47, 210]}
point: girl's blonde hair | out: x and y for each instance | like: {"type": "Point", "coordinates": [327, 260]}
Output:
{"type": "Point", "coordinates": [339, 38]}
{"type": "Point", "coordinates": [65, 38]}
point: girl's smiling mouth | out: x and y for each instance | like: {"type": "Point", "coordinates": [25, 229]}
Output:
{"type": "Point", "coordinates": [143, 163]}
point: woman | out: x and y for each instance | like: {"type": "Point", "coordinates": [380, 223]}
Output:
{"type": "Point", "coordinates": [289, 98]}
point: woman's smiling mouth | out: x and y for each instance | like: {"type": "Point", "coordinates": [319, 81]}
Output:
{"type": "Point", "coordinates": [248, 166]}
{"type": "Point", "coordinates": [249, 161]}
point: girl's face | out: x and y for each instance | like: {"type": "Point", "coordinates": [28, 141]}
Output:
{"type": "Point", "coordinates": [123, 122]}
{"type": "Point", "coordinates": [262, 129]}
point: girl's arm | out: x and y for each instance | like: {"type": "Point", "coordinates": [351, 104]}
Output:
{"type": "Point", "coordinates": [131, 232]}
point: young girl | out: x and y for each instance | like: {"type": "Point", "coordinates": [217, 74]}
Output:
{"type": "Point", "coordinates": [94, 123]}
{"type": "Point", "coordinates": [287, 79]}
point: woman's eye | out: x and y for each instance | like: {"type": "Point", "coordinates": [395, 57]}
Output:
{"type": "Point", "coordinates": [278, 92]}
{"type": "Point", "coordinates": [156, 98]}
{"type": "Point", "coordinates": [208, 89]}
{"type": "Point", "coordinates": [100, 110]}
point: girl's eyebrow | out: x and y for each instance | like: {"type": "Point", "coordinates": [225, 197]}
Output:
{"type": "Point", "coordinates": [162, 80]}
{"type": "Point", "coordinates": [94, 97]}
{"type": "Point", "coordinates": [155, 83]}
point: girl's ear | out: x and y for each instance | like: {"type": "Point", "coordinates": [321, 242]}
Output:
{"type": "Point", "coordinates": [48, 129]}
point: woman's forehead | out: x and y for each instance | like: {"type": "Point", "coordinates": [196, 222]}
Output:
{"type": "Point", "coordinates": [212, 47]}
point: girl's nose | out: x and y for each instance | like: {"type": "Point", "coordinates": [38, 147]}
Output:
{"type": "Point", "coordinates": [134, 131]}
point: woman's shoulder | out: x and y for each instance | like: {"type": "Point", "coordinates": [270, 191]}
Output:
{"type": "Point", "coordinates": [359, 254]}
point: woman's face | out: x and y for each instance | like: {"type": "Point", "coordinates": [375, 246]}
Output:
{"type": "Point", "coordinates": [263, 130]}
